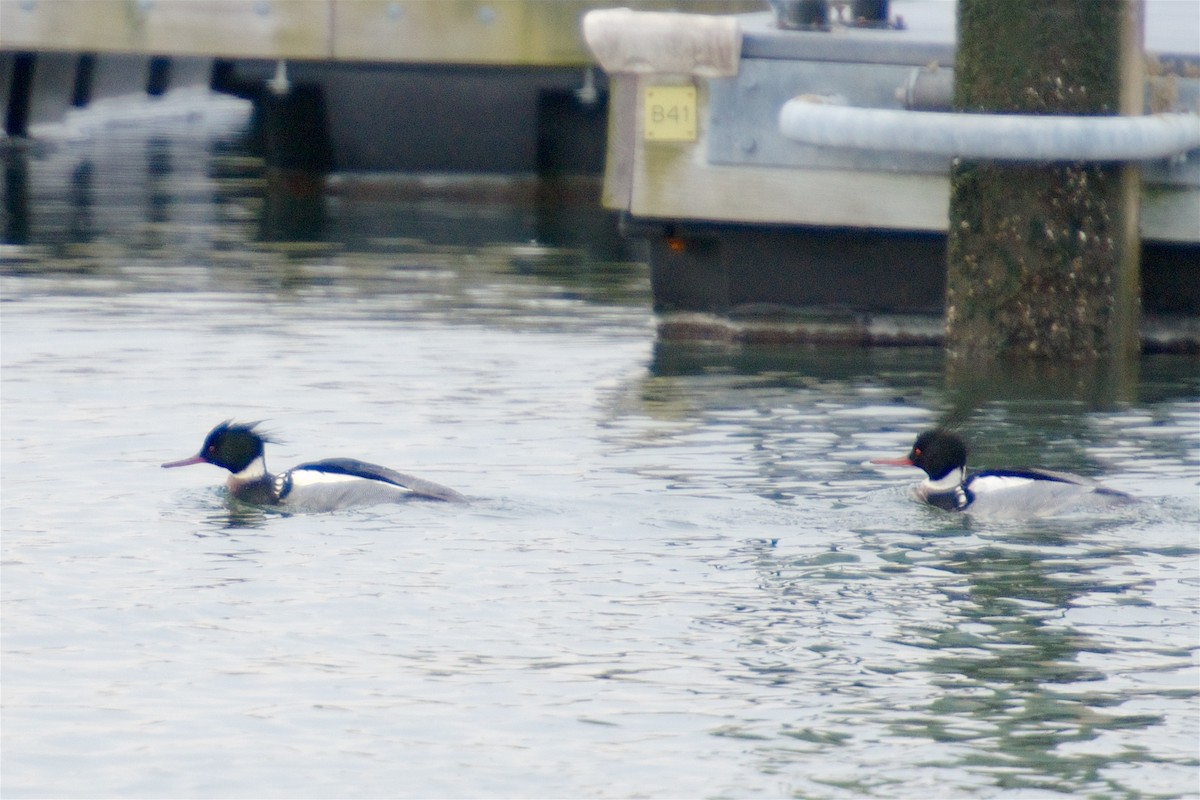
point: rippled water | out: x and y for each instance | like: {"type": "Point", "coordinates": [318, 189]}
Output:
{"type": "Point", "coordinates": [678, 575]}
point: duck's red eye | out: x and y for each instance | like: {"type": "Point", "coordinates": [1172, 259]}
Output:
{"type": "Point", "coordinates": [916, 451]}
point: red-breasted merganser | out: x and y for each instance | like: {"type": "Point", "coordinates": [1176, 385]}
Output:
{"type": "Point", "coordinates": [995, 492]}
{"type": "Point", "coordinates": [328, 485]}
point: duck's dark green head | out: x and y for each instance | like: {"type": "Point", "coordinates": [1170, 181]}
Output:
{"type": "Point", "coordinates": [232, 445]}
{"type": "Point", "coordinates": [939, 452]}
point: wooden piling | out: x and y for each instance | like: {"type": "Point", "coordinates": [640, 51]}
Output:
{"type": "Point", "coordinates": [16, 122]}
{"type": "Point", "coordinates": [1043, 258]}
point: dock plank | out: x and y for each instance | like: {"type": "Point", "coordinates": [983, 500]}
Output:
{"type": "Point", "coordinates": [197, 27]}
{"type": "Point", "coordinates": [491, 32]}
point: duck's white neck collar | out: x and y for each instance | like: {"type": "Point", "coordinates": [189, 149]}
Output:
{"type": "Point", "coordinates": [255, 470]}
{"type": "Point", "coordinates": [947, 482]}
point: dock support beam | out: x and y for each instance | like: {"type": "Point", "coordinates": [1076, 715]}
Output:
{"type": "Point", "coordinates": [1043, 258]}
{"type": "Point", "coordinates": [20, 95]}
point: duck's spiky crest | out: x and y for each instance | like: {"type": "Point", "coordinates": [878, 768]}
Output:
{"type": "Point", "coordinates": [232, 426]}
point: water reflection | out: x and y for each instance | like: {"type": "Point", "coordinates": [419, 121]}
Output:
{"type": "Point", "coordinates": [1010, 671]}
{"type": "Point", "coordinates": [293, 208]}
{"type": "Point", "coordinates": [81, 222]}
{"type": "Point", "coordinates": [1098, 385]}
{"type": "Point", "coordinates": [159, 194]}
{"type": "Point", "coordinates": [238, 516]}
{"type": "Point", "coordinates": [285, 206]}
{"type": "Point", "coordinates": [973, 652]}
{"type": "Point", "coordinates": [16, 199]}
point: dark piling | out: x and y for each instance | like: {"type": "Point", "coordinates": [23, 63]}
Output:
{"type": "Point", "coordinates": [1043, 258]}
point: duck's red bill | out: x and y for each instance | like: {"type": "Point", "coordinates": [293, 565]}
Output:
{"type": "Point", "coordinates": [891, 462]}
{"type": "Point", "coordinates": [185, 462]}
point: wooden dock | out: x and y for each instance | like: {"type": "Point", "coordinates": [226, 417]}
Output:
{"type": "Point", "coordinates": [469, 32]}
{"type": "Point", "coordinates": [413, 85]}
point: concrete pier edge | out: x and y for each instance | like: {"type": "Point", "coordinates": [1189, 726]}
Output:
{"type": "Point", "coordinates": [1160, 334]}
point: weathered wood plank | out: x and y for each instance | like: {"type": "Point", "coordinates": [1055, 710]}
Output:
{"type": "Point", "coordinates": [535, 32]}
{"type": "Point", "coordinates": [258, 28]}
{"type": "Point", "coordinates": [513, 32]}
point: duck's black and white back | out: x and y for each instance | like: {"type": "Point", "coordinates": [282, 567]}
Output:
{"type": "Point", "coordinates": [335, 483]}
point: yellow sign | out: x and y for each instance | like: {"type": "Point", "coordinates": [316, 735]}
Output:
{"type": "Point", "coordinates": [670, 114]}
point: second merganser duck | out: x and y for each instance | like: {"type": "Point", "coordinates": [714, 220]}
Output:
{"type": "Point", "coordinates": [995, 492]}
{"type": "Point", "coordinates": [327, 485]}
